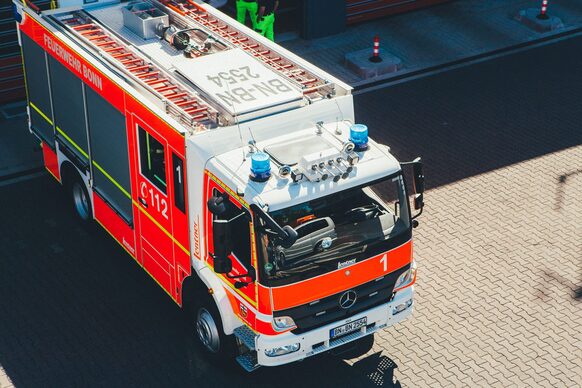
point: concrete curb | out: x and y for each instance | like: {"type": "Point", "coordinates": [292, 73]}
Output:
{"type": "Point", "coordinates": [529, 18]}
{"type": "Point", "coordinates": [359, 62]}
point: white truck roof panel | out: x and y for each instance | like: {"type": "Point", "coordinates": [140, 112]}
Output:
{"type": "Point", "coordinates": [239, 83]}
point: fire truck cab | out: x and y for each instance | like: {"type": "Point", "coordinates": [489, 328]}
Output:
{"type": "Point", "coordinates": [230, 169]}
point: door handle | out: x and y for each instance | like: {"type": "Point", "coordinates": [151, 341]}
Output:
{"type": "Point", "coordinates": [143, 202]}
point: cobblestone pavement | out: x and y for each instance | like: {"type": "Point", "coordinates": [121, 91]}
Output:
{"type": "Point", "coordinates": [499, 252]}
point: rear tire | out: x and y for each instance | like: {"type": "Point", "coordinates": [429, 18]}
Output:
{"type": "Point", "coordinates": [81, 200]}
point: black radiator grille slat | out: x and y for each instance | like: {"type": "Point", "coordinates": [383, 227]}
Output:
{"type": "Point", "coordinates": [313, 315]}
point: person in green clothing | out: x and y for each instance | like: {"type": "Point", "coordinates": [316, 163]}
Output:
{"type": "Point", "coordinates": [244, 6]}
{"type": "Point", "coordinates": [266, 18]}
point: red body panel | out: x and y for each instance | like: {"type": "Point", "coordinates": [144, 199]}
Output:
{"type": "Point", "coordinates": [159, 244]}
{"type": "Point", "coordinates": [296, 294]}
{"type": "Point", "coordinates": [51, 161]}
{"type": "Point", "coordinates": [116, 227]}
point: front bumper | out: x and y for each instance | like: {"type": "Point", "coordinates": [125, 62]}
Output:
{"type": "Point", "coordinates": [318, 340]}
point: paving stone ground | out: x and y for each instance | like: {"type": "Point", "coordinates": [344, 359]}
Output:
{"type": "Point", "coordinates": [499, 250]}
{"type": "Point", "coordinates": [499, 247]}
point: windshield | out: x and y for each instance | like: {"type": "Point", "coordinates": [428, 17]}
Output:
{"type": "Point", "coordinates": [335, 231]}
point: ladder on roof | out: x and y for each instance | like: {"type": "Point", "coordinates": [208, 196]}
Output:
{"type": "Point", "coordinates": [184, 104]}
{"type": "Point", "coordinates": [310, 84]}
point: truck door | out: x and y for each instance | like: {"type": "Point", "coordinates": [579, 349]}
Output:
{"type": "Point", "coordinates": [242, 255]}
{"type": "Point", "coordinates": [155, 218]}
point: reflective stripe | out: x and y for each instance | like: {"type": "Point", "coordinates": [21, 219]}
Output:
{"type": "Point", "coordinates": [162, 228]}
{"type": "Point", "coordinates": [59, 130]}
{"type": "Point", "coordinates": [111, 179]}
{"type": "Point", "coordinates": [40, 113]}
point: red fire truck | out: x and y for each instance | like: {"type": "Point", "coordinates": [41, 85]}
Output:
{"type": "Point", "coordinates": [229, 169]}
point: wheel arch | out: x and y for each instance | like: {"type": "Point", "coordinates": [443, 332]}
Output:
{"type": "Point", "coordinates": [200, 283]}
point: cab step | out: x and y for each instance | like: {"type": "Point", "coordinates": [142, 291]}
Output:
{"type": "Point", "coordinates": [248, 361]}
{"type": "Point", "coordinates": [246, 336]}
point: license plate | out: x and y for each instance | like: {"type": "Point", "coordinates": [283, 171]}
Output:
{"type": "Point", "coordinates": [348, 327]}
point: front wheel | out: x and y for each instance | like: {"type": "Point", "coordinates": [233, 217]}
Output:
{"type": "Point", "coordinates": [209, 331]}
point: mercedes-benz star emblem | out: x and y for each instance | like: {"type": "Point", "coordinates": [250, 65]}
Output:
{"type": "Point", "coordinates": [348, 299]}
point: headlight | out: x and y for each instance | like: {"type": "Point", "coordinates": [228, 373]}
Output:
{"type": "Point", "coordinates": [407, 278]}
{"type": "Point", "coordinates": [283, 323]}
{"type": "Point", "coordinates": [281, 350]}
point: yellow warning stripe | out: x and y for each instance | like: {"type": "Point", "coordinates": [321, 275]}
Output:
{"type": "Point", "coordinates": [227, 189]}
{"type": "Point", "coordinates": [50, 172]}
{"type": "Point", "coordinates": [152, 219]}
{"type": "Point", "coordinates": [111, 179]}
{"type": "Point", "coordinates": [40, 113]}
{"type": "Point", "coordinates": [59, 130]}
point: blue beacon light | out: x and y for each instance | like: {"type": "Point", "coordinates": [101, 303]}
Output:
{"type": "Point", "coordinates": [260, 167]}
{"type": "Point", "coordinates": [359, 136]}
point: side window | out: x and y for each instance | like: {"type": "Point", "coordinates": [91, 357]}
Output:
{"type": "Point", "coordinates": [178, 171]}
{"type": "Point", "coordinates": [241, 232]}
{"type": "Point", "coordinates": [152, 160]}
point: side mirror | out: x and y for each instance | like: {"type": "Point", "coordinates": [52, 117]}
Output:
{"type": "Point", "coordinates": [418, 201]}
{"type": "Point", "coordinates": [418, 181]}
{"type": "Point", "coordinates": [418, 175]}
{"type": "Point", "coordinates": [222, 246]}
{"type": "Point", "coordinates": [216, 205]}
{"type": "Point", "coordinates": [291, 237]}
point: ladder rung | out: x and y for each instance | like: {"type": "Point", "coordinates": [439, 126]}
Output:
{"type": "Point", "coordinates": [177, 95]}
{"type": "Point", "coordinates": [197, 110]}
{"type": "Point", "coordinates": [112, 49]}
{"type": "Point", "coordinates": [166, 88]}
{"type": "Point", "coordinates": [138, 68]}
{"type": "Point", "coordinates": [121, 55]}
{"type": "Point", "coordinates": [97, 37]}
{"type": "Point", "coordinates": [128, 61]}
{"type": "Point", "coordinates": [309, 81]}
{"type": "Point", "coordinates": [200, 116]}
{"type": "Point", "coordinates": [102, 44]}
{"type": "Point", "coordinates": [185, 103]}
{"type": "Point", "coordinates": [155, 81]}
{"type": "Point", "coordinates": [90, 32]}
{"type": "Point", "coordinates": [82, 26]}
{"type": "Point", "coordinates": [148, 74]}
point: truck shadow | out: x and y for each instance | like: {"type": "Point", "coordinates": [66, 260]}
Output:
{"type": "Point", "coordinates": [480, 118]}
{"type": "Point", "coordinates": [75, 310]}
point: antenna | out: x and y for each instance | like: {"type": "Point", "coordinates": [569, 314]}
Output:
{"type": "Point", "coordinates": [252, 136]}
{"type": "Point", "coordinates": [338, 108]}
{"type": "Point", "coordinates": [237, 125]}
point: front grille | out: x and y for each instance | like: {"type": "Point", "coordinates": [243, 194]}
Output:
{"type": "Point", "coordinates": [324, 311]}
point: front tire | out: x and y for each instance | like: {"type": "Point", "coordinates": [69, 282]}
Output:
{"type": "Point", "coordinates": [209, 331]}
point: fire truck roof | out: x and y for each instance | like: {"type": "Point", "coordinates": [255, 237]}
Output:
{"type": "Point", "coordinates": [324, 145]}
{"type": "Point", "coordinates": [199, 65]}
